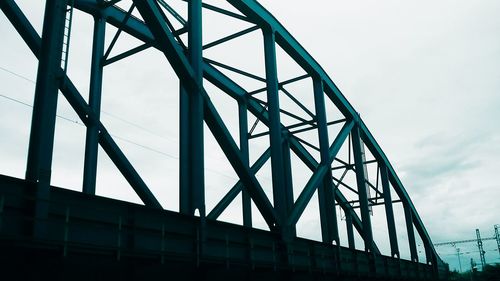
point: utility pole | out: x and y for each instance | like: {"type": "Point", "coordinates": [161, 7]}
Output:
{"type": "Point", "coordinates": [473, 269]}
{"type": "Point", "coordinates": [459, 261]}
{"type": "Point", "coordinates": [481, 251]}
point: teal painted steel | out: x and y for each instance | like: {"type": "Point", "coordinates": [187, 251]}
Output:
{"type": "Point", "coordinates": [96, 76]}
{"type": "Point", "coordinates": [244, 149]}
{"type": "Point", "coordinates": [389, 212]}
{"type": "Point", "coordinates": [326, 195]}
{"type": "Point", "coordinates": [134, 241]}
{"type": "Point", "coordinates": [192, 178]}
{"type": "Point", "coordinates": [282, 188]}
{"type": "Point", "coordinates": [86, 114]}
{"type": "Point", "coordinates": [49, 77]}
{"type": "Point", "coordinates": [238, 187]}
{"type": "Point", "coordinates": [191, 67]}
{"type": "Point", "coordinates": [358, 150]}
{"type": "Point", "coordinates": [318, 177]}
{"type": "Point", "coordinates": [411, 233]}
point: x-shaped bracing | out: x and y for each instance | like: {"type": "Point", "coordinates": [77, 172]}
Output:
{"type": "Point", "coordinates": [159, 35]}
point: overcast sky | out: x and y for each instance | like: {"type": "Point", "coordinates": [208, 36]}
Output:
{"type": "Point", "coordinates": [424, 75]}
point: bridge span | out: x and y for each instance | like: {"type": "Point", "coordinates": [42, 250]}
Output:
{"type": "Point", "coordinates": [317, 145]}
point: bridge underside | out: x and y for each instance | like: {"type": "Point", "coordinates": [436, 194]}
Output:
{"type": "Point", "coordinates": [102, 238]}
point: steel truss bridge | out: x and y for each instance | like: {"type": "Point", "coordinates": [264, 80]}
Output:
{"type": "Point", "coordinates": [55, 232]}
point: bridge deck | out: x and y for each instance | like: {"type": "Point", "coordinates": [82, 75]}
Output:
{"type": "Point", "coordinates": [90, 236]}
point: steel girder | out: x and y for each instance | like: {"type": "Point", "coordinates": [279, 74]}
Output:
{"type": "Point", "coordinates": [139, 30]}
{"type": "Point", "coordinates": [96, 75]}
{"type": "Point", "coordinates": [191, 68]}
{"type": "Point", "coordinates": [86, 114]}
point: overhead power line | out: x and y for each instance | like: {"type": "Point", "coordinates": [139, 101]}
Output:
{"type": "Point", "coordinates": [116, 136]}
{"type": "Point", "coordinates": [18, 75]}
{"type": "Point", "coordinates": [114, 116]}
{"type": "Point", "coordinates": [462, 241]}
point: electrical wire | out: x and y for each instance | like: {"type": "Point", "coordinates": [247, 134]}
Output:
{"type": "Point", "coordinates": [117, 137]}
{"type": "Point", "coordinates": [469, 252]}
{"type": "Point", "coordinates": [29, 105]}
{"type": "Point", "coordinates": [138, 126]}
{"type": "Point", "coordinates": [102, 111]}
{"type": "Point", "coordinates": [18, 75]}
{"type": "Point", "coordinates": [115, 117]}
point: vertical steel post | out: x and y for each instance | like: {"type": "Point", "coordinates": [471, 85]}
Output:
{"type": "Point", "coordinates": [362, 187]}
{"type": "Point", "coordinates": [92, 138]}
{"type": "Point", "coordinates": [326, 195]}
{"type": "Point", "coordinates": [350, 230]}
{"type": "Point", "coordinates": [411, 233]}
{"type": "Point", "coordinates": [389, 212]}
{"type": "Point", "coordinates": [430, 256]}
{"type": "Point", "coordinates": [287, 165]}
{"type": "Point", "coordinates": [192, 183]}
{"type": "Point", "coordinates": [184, 152]}
{"type": "Point", "coordinates": [282, 193]}
{"type": "Point", "coordinates": [246, 200]}
{"type": "Point", "coordinates": [41, 143]}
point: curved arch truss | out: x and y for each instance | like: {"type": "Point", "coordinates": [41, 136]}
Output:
{"type": "Point", "coordinates": [304, 118]}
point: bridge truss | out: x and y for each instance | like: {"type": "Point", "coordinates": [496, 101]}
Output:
{"type": "Point", "coordinates": [331, 148]}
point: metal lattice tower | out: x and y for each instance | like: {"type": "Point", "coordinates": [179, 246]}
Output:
{"type": "Point", "coordinates": [481, 250]}
{"type": "Point", "coordinates": [152, 23]}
